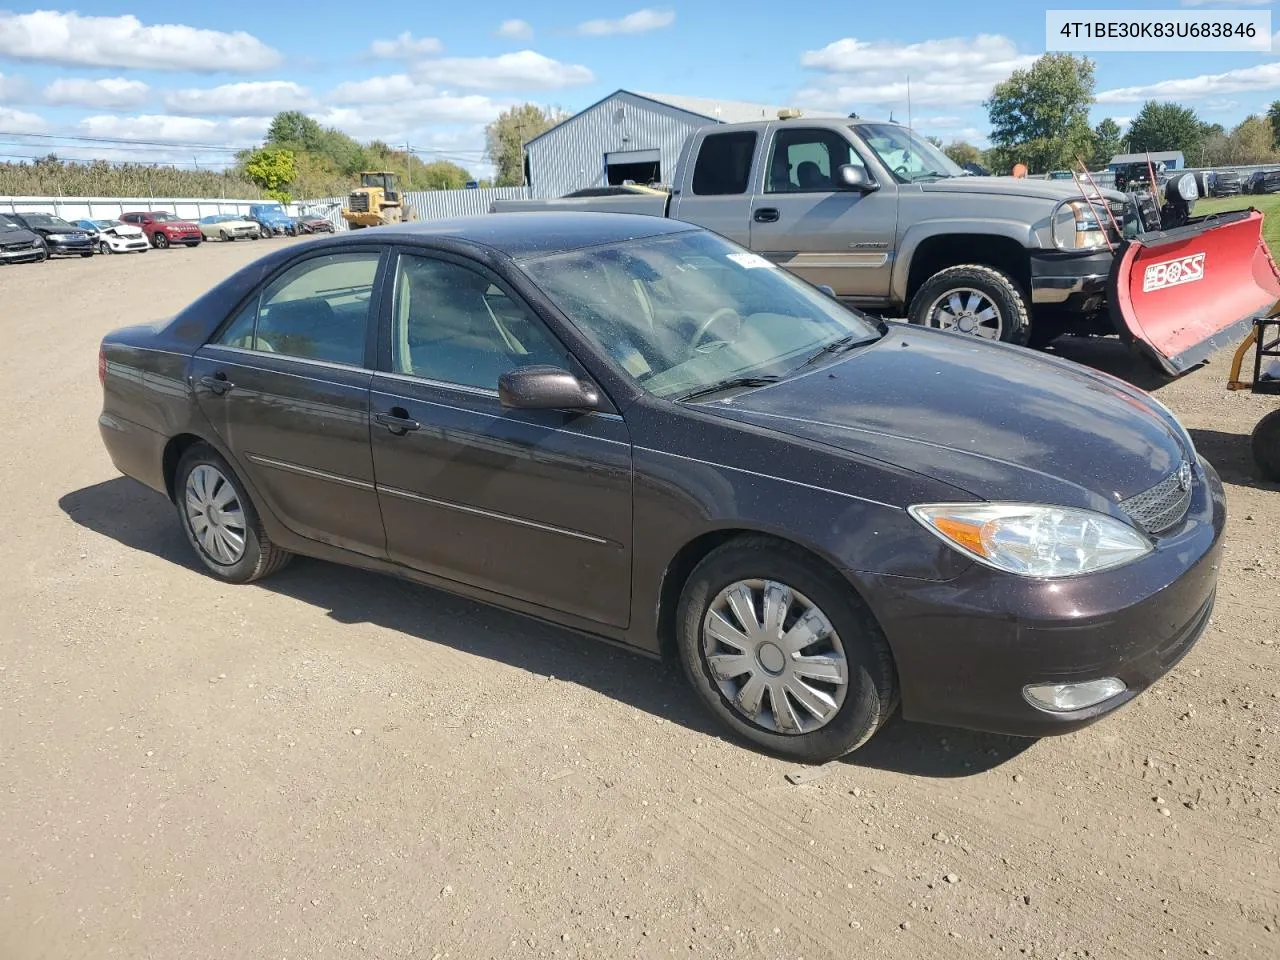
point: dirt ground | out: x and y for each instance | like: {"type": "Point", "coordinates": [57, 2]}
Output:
{"type": "Point", "coordinates": [332, 764]}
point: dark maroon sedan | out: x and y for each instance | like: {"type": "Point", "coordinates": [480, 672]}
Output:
{"type": "Point", "coordinates": [314, 223]}
{"type": "Point", "coordinates": [633, 427]}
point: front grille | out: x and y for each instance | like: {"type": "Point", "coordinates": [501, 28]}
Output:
{"type": "Point", "coordinates": [359, 202]}
{"type": "Point", "coordinates": [1160, 507]}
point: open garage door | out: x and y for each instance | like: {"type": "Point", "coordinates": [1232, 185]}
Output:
{"type": "Point", "coordinates": [638, 166]}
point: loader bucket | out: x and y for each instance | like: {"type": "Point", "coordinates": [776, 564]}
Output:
{"type": "Point", "coordinates": [1178, 295]}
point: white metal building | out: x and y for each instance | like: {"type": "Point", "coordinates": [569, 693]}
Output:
{"type": "Point", "coordinates": [627, 136]}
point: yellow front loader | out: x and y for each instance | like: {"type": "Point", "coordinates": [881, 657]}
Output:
{"type": "Point", "coordinates": [376, 202]}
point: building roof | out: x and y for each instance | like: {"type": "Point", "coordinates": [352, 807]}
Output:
{"type": "Point", "coordinates": [1142, 157]}
{"type": "Point", "coordinates": [722, 111]}
{"type": "Point", "coordinates": [726, 111]}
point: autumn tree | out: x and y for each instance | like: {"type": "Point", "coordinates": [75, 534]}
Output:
{"type": "Point", "coordinates": [272, 169]}
{"type": "Point", "coordinates": [1273, 118]}
{"type": "Point", "coordinates": [1040, 116]}
{"type": "Point", "coordinates": [962, 153]}
{"type": "Point", "coordinates": [506, 136]}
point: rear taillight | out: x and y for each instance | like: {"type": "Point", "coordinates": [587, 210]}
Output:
{"type": "Point", "coordinates": [102, 365]}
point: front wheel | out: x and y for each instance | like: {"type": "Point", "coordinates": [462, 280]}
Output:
{"type": "Point", "coordinates": [220, 521]}
{"type": "Point", "coordinates": [160, 240]}
{"type": "Point", "coordinates": [1266, 446]}
{"type": "Point", "coordinates": [105, 247]}
{"type": "Point", "coordinates": [88, 253]}
{"type": "Point", "coordinates": [975, 300]}
{"type": "Point", "coordinates": [224, 235]}
{"type": "Point", "coordinates": [782, 651]}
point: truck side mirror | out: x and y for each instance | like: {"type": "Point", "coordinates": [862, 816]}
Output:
{"type": "Point", "coordinates": [849, 177]}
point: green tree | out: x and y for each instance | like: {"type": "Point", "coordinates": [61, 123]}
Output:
{"type": "Point", "coordinates": [506, 136]}
{"type": "Point", "coordinates": [294, 130]}
{"type": "Point", "coordinates": [1040, 116]}
{"type": "Point", "coordinates": [936, 141]}
{"type": "Point", "coordinates": [273, 169]}
{"type": "Point", "coordinates": [1273, 118]}
{"type": "Point", "coordinates": [1167, 126]}
{"type": "Point", "coordinates": [1107, 142]}
{"type": "Point", "coordinates": [441, 175]}
{"type": "Point", "coordinates": [962, 153]}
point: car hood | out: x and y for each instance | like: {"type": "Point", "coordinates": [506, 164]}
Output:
{"type": "Point", "coordinates": [1054, 190]}
{"type": "Point", "coordinates": [1002, 423]}
{"type": "Point", "coordinates": [47, 231]}
{"type": "Point", "coordinates": [123, 230]}
{"type": "Point", "coordinates": [180, 224]}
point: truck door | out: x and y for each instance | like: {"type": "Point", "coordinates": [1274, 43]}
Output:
{"type": "Point", "coordinates": [799, 219]}
{"type": "Point", "coordinates": [717, 194]}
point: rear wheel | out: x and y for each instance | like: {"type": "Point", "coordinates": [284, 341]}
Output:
{"type": "Point", "coordinates": [220, 521]}
{"type": "Point", "coordinates": [160, 240]}
{"type": "Point", "coordinates": [782, 651]}
{"type": "Point", "coordinates": [1266, 445]}
{"type": "Point", "coordinates": [973, 299]}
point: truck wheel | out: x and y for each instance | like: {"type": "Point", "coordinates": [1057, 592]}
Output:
{"type": "Point", "coordinates": [975, 300]}
{"type": "Point", "coordinates": [1266, 446]}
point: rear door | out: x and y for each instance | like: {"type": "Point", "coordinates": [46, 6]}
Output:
{"type": "Point", "coordinates": [530, 504]}
{"type": "Point", "coordinates": [716, 193]}
{"type": "Point", "coordinates": [841, 238]}
{"type": "Point", "coordinates": [286, 386]}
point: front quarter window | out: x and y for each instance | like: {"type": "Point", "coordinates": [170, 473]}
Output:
{"type": "Point", "coordinates": [685, 311]}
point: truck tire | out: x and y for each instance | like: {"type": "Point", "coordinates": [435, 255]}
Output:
{"type": "Point", "coordinates": [975, 300]}
{"type": "Point", "coordinates": [1266, 446]}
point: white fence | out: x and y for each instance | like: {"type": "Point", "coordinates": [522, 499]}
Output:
{"type": "Point", "coordinates": [427, 204]}
{"type": "Point", "coordinates": [109, 208]}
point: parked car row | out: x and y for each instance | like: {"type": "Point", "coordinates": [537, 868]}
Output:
{"type": "Point", "coordinates": [1262, 181]}
{"type": "Point", "coordinates": [34, 237]}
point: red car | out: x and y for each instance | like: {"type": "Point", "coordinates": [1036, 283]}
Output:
{"type": "Point", "coordinates": [165, 229]}
{"type": "Point", "coordinates": [314, 223]}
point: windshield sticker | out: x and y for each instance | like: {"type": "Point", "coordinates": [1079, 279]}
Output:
{"type": "Point", "coordinates": [751, 261]}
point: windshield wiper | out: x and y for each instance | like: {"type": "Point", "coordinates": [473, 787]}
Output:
{"type": "Point", "coordinates": [729, 384]}
{"type": "Point", "coordinates": [840, 346]}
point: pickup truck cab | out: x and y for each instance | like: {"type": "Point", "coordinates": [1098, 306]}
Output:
{"type": "Point", "coordinates": [273, 220]}
{"type": "Point", "coordinates": [889, 223]}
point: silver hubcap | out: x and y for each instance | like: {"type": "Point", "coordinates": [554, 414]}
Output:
{"type": "Point", "coordinates": [215, 514]}
{"type": "Point", "coordinates": [775, 656]}
{"type": "Point", "coordinates": [965, 310]}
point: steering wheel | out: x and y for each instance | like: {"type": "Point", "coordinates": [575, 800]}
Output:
{"type": "Point", "coordinates": [902, 170]}
{"type": "Point", "coordinates": [708, 323]}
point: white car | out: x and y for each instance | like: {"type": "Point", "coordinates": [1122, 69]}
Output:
{"type": "Point", "coordinates": [229, 226]}
{"type": "Point", "coordinates": [112, 236]}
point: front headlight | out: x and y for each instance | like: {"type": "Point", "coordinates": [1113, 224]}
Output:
{"type": "Point", "coordinates": [1077, 224]}
{"type": "Point", "coordinates": [1034, 540]}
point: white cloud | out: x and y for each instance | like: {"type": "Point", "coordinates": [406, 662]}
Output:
{"type": "Point", "coordinates": [940, 123]}
{"type": "Point", "coordinates": [108, 93]}
{"type": "Point", "coordinates": [642, 21]}
{"type": "Point", "coordinates": [51, 36]}
{"type": "Point", "coordinates": [1259, 79]}
{"type": "Point", "coordinates": [19, 121]}
{"type": "Point", "coordinates": [525, 70]}
{"type": "Point", "coordinates": [393, 120]}
{"type": "Point", "coordinates": [235, 131]}
{"type": "Point", "coordinates": [955, 71]}
{"type": "Point", "coordinates": [406, 47]}
{"type": "Point", "coordinates": [259, 98]}
{"type": "Point", "coordinates": [515, 29]}
{"type": "Point", "coordinates": [397, 86]}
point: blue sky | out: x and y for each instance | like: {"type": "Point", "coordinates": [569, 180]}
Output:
{"type": "Point", "coordinates": [200, 79]}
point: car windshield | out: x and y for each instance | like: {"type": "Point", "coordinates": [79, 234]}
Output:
{"type": "Point", "coordinates": [277, 209]}
{"type": "Point", "coordinates": [9, 223]}
{"type": "Point", "coordinates": [910, 157]}
{"type": "Point", "coordinates": [106, 224]}
{"type": "Point", "coordinates": [45, 220]}
{"type": "Point", "coordinates": [683, 312]}
{"type": "Point", "coordinates": [163, 217]}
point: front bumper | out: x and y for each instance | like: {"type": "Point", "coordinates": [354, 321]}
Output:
{"type": "Point", "coordinates": [192, 237]}
{"type": "Point", "coordinates": [1073, 282]}
{"type": "Point", "coordinates": [22, 254]}
{"type": "Point", "coordinates": [60, 247]}
{"type": "Point", "coordinates": [124, 244]}
{"type": "Point", "coordinates": [966, 648]}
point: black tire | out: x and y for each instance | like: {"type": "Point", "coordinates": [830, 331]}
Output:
{"type": "Point", "coordinates": [872, 680]}
{"type": "Point", "coordinates": [104, 247]}
{"type": "Point", "coordinates": [224, 235]}
{"type": "Point", "coordinates": [89, 254]}
{"type": "Point", "coordinates": [1266, 446]}
{"type": "Point", "coordinates": [194, 245]}
{"type": "Point", "coordinates": [160, 241]}
{"type": "Point", "coordinates": [997, 286]}
{"type": "Point", "coordinates": [261, 557]}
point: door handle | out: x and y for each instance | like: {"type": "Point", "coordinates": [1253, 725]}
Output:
{"type": "Point", "coordinates": [218, 383]}
{"type": "Point", "coordinates": [397, 421]}
{"type": "Point", "coordinates": [766, 215]}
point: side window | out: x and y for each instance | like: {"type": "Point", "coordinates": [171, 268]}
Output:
{"type": "Point", "coordinates": [724, 164]}
{"type": "Point", "coordinates": [318, 310]}
{"type": "Point", "coordinates": [802, 160]}
{"type": "Point", "coordinates": [454, 326]}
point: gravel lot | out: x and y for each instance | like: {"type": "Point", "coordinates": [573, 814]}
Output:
{"type": "Point", "coordinates": [336, 764]}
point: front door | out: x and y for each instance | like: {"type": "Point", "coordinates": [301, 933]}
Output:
{"type": "Point", "coordinates": [840, 238]}
{"type": "Point", "coordinates": [286, 386]}
{"type": "Point", "coordinates": [531, 504]}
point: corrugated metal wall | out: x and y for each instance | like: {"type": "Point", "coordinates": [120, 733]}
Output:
{"type": "Point", "coordinates": [571, 156]}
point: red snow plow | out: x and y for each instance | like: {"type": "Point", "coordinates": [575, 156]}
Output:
{"type": "Point", "coordinates": [1178, 295]}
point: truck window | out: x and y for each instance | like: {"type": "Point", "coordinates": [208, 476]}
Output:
{"type": "Point", "coordinates": [804, 160]}
{"type": "Point", "coordinates": [724, 163]}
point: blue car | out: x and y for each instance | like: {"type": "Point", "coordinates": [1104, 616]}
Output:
{"type": "Point", "coordinates": [273, 220]}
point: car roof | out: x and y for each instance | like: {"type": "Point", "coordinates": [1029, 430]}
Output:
{"type": "Point", "coordinates": [540, 233]}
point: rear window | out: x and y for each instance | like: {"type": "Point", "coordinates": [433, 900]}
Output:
{"type": "Point", "coordinates": [724, 164]}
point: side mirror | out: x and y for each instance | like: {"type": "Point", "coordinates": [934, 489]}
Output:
{"type": "Point", "coordinates": [828, 290]}
{"type": "Point", "coordinates": [545, 388]}
{"type": "Point", "coordinates": [849, 177]}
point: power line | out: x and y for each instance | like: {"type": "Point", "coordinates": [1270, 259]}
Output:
{"type": "Point", "coordinates": [184, 145]}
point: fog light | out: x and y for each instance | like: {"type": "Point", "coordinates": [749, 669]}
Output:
{"type": "Point", "coordinates": [1066, 697]}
